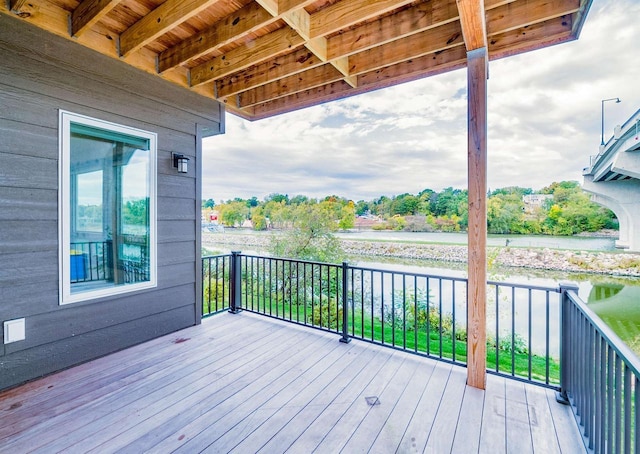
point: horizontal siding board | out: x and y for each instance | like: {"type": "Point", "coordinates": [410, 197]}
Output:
{"type": "Point", "coordinates": [27, 299]}
{"type": "Point", "coordinates": [28, 236]}
{"type": "Point", "coordinates": [75, 320]}
{"type": "Point", "coordinates": [36, 141]}
{"type": "Point", "coordinates": [171, 209]}
{"type": "Point", "coordinates": [176, 186]}
{"type": "Point", "coordinates": [28, 204]}
{"type": "Point", "coordinates": [170, 231]}
{"type": "Point", "coordinates": [25, 365]}
{"type": "Point", "coordinates": [27, 268]}
{"type": "Point", "coordinates": [170, 253]}
{"type": "Point", "coordinates": [28, 172]}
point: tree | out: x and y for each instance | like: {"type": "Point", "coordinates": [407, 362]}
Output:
{"type": "Point", "coordinates": [348, 219]}
{"type": "Point", "coordinates": [233, 213]}
{"type": "Point", "coordinates": [209, 203]}
{"type": "Point", "coordinates": [311, 237]}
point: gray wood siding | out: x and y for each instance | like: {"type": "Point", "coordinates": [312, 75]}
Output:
{"type": "Point", "coordinates": [36, 82]}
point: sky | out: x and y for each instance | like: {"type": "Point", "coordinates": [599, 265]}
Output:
{"type": "Point", "coordinates": [544, 122]}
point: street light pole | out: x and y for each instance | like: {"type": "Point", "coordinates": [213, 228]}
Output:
{"type": "Point", "coordinates": [617, 100]}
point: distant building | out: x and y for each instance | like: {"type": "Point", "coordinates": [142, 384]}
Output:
{"type": "Point", "coordinates": [534, 201]}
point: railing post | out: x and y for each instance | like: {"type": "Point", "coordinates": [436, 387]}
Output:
{"type": "Point", "coordinates": [345, 304]}
{"type": "Point", "coordinates": [235, 303]}
{"type": "Point", "coordinates": [565, 355]}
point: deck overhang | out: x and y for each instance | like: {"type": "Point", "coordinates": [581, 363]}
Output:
{"type": "Point", "coordinates": [266, 57]}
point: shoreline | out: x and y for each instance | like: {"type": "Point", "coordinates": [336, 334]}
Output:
{"type": "Point", "coordinates": [575, 261]}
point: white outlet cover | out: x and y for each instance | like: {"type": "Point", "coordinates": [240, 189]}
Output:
{"type": "Point", "coordinates": [14, 330]}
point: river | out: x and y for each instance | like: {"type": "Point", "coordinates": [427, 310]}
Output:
{"type": "Point", "coordinates": [615, 299]}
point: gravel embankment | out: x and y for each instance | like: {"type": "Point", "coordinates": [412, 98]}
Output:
{"type": "Point", "coordinates": [619, 264]}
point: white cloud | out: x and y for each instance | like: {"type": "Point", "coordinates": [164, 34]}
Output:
{"type": "Point", "coordinates": [544, 122]}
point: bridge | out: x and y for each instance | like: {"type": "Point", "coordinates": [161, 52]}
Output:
{"type": "Point", "coordinates": [613, 180]}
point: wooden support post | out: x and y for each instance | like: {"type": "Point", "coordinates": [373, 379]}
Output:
{"type": "Point", "coordinates": [477, 180]}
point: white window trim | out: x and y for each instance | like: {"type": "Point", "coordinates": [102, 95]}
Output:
{"type": "Point", "coordinates": [64, 208]}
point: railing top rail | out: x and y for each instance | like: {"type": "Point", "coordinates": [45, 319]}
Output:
{"type": "Point", "coordinates": [287, 259]}
{"type": "Point", "coordinates": [405, 273]}
{"type": "Point", "coordinates": [542, 288]}
{"type": "Point", "coordinates": [215, 256]}
{"type": "Point", "coordinates": [618, 345]}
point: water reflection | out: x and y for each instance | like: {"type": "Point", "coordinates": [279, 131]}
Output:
{"type": "Point", "coordinates": [618, 306]}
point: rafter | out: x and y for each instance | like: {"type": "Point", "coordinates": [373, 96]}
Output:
{"type": "Point", "coordinates": [306, 80]}
{"type": "Point", "coordinates": [531, 37]}
{"type": "Point", "coordinates": [257, 51]}
{"type": "Point", "coordinates": [162, 19]}
{"type": "Point", "coordinates": [432, 40]}
{"type": "Point", "coordinates": [290, 64]}
{"type": "Point", "coordinates": [349, 12]}
{"type": "Point", "coordinates": [472, 20]}
{"type": "Point", "coordinates": [390, 28]}
{"type": "Point", "coordinates": [233, 27]}
{"type": "Point", "coordinates": [88, 13]}
{"type": "Point", "coordinates": [527, 12]}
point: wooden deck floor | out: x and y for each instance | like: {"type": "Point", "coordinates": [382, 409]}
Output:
{"type": "Point", "coordinates": [244, 383]}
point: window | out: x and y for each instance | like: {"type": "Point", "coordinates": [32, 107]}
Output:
{"type": "Point", "coordinates": [107, 208]}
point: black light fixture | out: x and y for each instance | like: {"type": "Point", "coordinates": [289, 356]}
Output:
{"type": "Point", "coordinates": [180, 162]}
{"type": "Point", "coordinates": [617, 100]}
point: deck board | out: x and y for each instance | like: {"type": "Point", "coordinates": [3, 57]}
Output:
{"type": "Point", "coordinates": [245, 383]}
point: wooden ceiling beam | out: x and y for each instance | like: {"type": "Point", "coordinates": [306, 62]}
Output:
{"type": "Point", "coordinates": [257, 51]}
{"type": "Point", "coordinates": [472, 20]}
{"type": "Point", "coordinates": [286, 65]}
{"type": "Point", "coordinates": [412, 70]}
{"type": "Point", "coordinates": [349, 12]}
{"type": "Point", "coordinates": [159, 21]}
{"type": "Point", "coordinates": [88, 13]}
{"type": "Point", "coordinates": [233, 27]}
{"type": "Point", "coordinates": [284, 6]}
{"type": "Point", "coordinates": [531, 37]}
{"type": "Point", "coordinates": [390, 28]}
{"type": "Point", "coordinates": [293, 84]}
{"type": "Point", "coordinates": [300, 21]}
{"type": "Point", "coordinates": [429, 41]}
{"type": "Point", "coordinates": [527, 12]}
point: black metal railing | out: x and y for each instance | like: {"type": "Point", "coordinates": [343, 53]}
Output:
{"type": "Point", "coordinates": [216, 283]}
{"type": "Point", "coordinates": [600, 378]}
{"type": "Point", "coordinates": [419, 313]}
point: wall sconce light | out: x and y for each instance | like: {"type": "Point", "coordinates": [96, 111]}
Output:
{"type": "Point", "coordinates": [180, 162]}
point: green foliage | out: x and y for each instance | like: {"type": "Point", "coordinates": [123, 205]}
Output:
{"type": "Point", "coordinates": [208, 204]}
{"type": "Point", "coordinates": [568, 212]}
{"type": "Point", "coordinates": [325, 315]}
{"type": "Point", "coordinates": [311, 237]}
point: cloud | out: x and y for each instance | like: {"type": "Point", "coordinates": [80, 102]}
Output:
{"type": "Point", "coordinates": [544, 121]}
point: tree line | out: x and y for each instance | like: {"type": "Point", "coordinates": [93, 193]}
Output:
{"type": "Point", "coordinates": [563, 209]}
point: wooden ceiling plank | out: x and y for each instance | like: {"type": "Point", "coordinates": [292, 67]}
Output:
{"type": "Point", "coordinates": [283, 66]}
{"type": "Point", "coordinates": [348, 12]}
{"type": "Point", "coordinates": [531, 37]}
{"type": "Point", "coordinates": [284, 6]}
{"type": "Point", "coordinates": [270, 5]}
{"type": "Point", "coordinates": [391, 28]}
{"type": "Point", "coordinates": [429, 41]}
{"type": "Point", "coordinates": [257, 51]}
{"type": "Point", "coordinates": [521, 13]}
{"type": "Point", "coordinates": [472, 20]}
{"type": "Point", "coordinates": [88, 13]}
{"type": "Point", "coordinates": [159, 21]}
{"type": "Point", "coordinates": [306, 80]}
{"type": "Point", "coordinates": [235, 26]}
